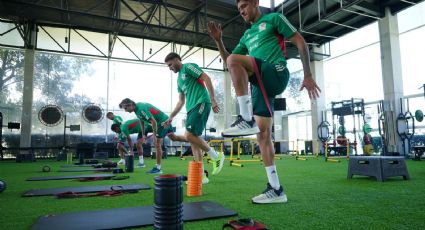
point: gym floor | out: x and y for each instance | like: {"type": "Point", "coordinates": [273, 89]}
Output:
{"type": "Point", "coordinates": [319, 195]}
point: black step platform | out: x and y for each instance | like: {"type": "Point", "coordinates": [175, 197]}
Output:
{"type": "Point", "coordinates": [70, 177]}
{"type": "Point", "coordinates": [85, 189]}
{"type": "Point", "coordinates": [120, 218]}
{"type": "Point", "coordinates": [380, 167]}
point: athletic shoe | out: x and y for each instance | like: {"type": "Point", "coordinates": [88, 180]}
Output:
{"type": "Point", "coordinates": [140, 165]}
{"type": "Point", "coordinates": [241, 128]}
{"type": "Point", "coordinates": [121, 162]}
{"type": "Point", "coordinates": [205, 179]}
{"type": "Point", "coordinates": [270, 195]}
{"type": "Point", "coordinates": [218, 163]}
{"type": "Point", "coordinates": [154, 170]}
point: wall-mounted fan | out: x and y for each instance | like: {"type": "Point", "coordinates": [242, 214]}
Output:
{"type": "Point", "coordinates": [50, 115]}
{"type": "Point", "coordinates": [92, 113]}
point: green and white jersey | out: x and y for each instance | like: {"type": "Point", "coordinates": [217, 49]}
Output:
{"type": "Point", "coordinates": [129, 127]}
{"type": "Point", "coordinates": [146, 111]}
{"type": "Point", "coordinates": [191, 86]}
{"type": "Point", "coordinates": [117, 120]}
{"type": "Point", "coordinates": [265, 39]}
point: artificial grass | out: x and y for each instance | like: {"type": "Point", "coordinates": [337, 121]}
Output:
{"type": "Point", "coordinates": [319, 195]}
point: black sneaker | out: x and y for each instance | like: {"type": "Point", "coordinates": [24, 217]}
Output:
{"type": "Point", "coordinates": [270, 195]}
{"type": "Point", "coordinates": [241, 127]}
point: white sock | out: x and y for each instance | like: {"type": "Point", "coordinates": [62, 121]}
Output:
{"type": "Point", "coordinates": [272, 176]}
{"type": "Point", "coordinates": [212, 153]}
{"type": "Point", "coordinates": [245, 107]}
{"type": "Point", "coordinates": [158, 166]}
{"type": "Point", "coordinates": [141, 159]}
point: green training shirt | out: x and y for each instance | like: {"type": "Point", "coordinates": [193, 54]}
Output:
{"type": "Point", "coordinates": [265, 39]}
{"type": "Point", "coordinates": [129, 127]}
{"type": "Point", "coordinates": [146, 111]}
{"type": "Point", "coordinates": [117, 120]}
{"type": "Point", "coordinates": [189, 83]}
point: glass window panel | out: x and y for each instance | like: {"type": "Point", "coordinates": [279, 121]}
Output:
{"type": "Point", "coordinates": [345, 80]}
{"type": "Point", "coordinates": [156, 51]}
{"type": "Point", "coordinates": [194, 56]}
{"type": "Point", "coordinates": [44, 41]}
{"type": "Point", "coordinates": [68, 82]}
{"type": "Point", "coordinates": [357, 39]}
{"type": "Point", "coordinates": [216, 120]}
{"type": "Point", "coordinates": [213, 59]}
{"type": "Point", "coordinates": [134, 45]}
{"type": "Point", "coordinates": [12, 38]}
{"type": "Point", "coordinates": [411, 17]}
{"type": "Point", "coordinates": [412, 48]}
{"type": "Point", "coordinates": [11, 83]}
{"type": "Point", "coordinates": [141, 83]}
{"type": "Point", "coordinates": [80, 45]}
{"type": "Point", "coordinates": [265, 3]}
{"type": "Point", "coordinates": [296, 100]}
{"type": "Point", "coordinates": [181, 49]}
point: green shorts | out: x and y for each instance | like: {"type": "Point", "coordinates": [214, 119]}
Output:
{"type": "Point", "coordinates": [197, 118]}
{"type": "Point", "coordinates": [275, 78]}
{"type": "Point", "coordinates": [162, 131]}
{"type": "Point", "coordinates": [148, 129]}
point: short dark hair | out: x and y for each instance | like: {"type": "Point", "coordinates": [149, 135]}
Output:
{"type": "Point", "coordinates": [171, 56]}
{"type": "Point", "coordinates": [126, 101]}
{"type": "Point", "coordinates": [114, 127]}
{"type": "Point", "coordinates": [109, 113]}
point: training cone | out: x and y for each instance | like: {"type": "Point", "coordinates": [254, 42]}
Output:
{"type": "Point", "coordinates": [194, 179]}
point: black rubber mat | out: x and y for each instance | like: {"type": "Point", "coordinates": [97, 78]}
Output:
{"type": "Point", "coordinates": [70, 177]}
{"type": "Point", "coordinates": [79, 166]}
{"type": "Point", "coordinates": [85, 189]}
{"type": "Point", "coordinates": [87, 170]}
{"type": "Point", "coordinates": [127, 217]}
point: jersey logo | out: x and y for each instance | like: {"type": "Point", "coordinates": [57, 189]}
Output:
{"type": "Point", "coordinates": [262, 26]}
{"type": "Point", "coordinates": [144, 115]}
{"type": "Point", "coordinates": [183, 77]}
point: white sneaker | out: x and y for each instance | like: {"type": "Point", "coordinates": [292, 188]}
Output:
{"type": "Point", "coordinates": [205, 179]}
{"type": "Point", "coordinates": [270, 195]}
{"type": "Point", "coordinates": [121, 162]}
{"type": "Point", "coordinates": [241, 128]}
{"type": "Point", "coordinates": [141, 165]}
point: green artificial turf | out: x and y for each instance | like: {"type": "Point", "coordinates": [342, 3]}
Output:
{"type": "Point", "coordinates": [319, 195]}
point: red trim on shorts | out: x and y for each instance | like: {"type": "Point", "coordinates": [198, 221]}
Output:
{"type": "Point", "coordinates": [260, 83]}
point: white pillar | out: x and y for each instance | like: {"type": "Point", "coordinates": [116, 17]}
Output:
{"type": "Point", "coordinates": [392, 80]}
{"type": "Point", "coordinates": [27, 98]}
{"type": "Point", "coordinates": [318, 105]}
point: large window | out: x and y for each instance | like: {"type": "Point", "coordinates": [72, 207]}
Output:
{"type": "Point", "coordinates": [411, 24]}
{"type": "Point", "coordinates": [71, 83]}
{"type": "Point", "coordinates": [11, 85]}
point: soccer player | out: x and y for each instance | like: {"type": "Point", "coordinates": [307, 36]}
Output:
{"type": "Point", "coordinates": [196, 90]}
{"type": "Point", "coordinates": [114, 118]}
{"type": "Point", "coordinates": [259, 58]}
{"type": "Point", "coordinates": [124, 131]}
{"type": "Point", "coordinates": [149, 114]}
